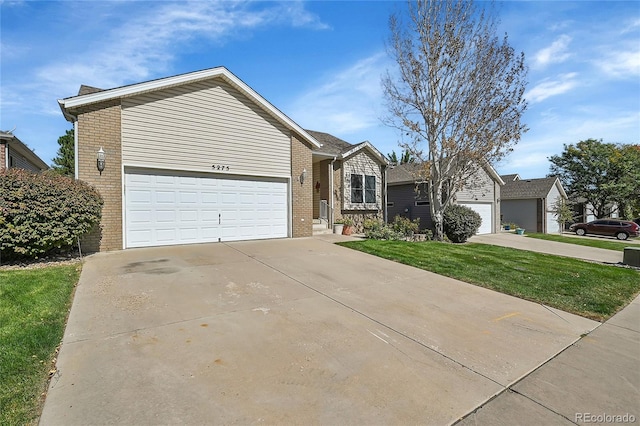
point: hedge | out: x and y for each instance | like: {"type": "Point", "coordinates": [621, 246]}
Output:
{"type": "Point", "coordinates": [40, 213]}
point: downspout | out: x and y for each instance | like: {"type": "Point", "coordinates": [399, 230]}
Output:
{"type": "Point", "coordinates": [331, 214]}
{"type": "Point", "coordinates": [384, 196]}
{"type": "Point", "coordinates": [75, 148]}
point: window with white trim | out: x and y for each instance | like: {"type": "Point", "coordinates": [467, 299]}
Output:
{"type": "Point", "coordinates": [363, 189]}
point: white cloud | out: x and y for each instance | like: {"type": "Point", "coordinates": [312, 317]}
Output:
{"type": "Point", "coordinates": [145, 44]}
{"type": "Point", "coordinates": [554, 53]}
{"type": "Point", "coordinates": [548, 88]}
{"type": "Point", "coordinates": [621, 64]}
{"type": "Point", "coordinates": [346, 102]}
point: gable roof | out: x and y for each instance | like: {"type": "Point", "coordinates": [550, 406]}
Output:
{"type": "Point", "coordinates": [333, 146]}
{"type": "Point", "coordinates": [91, 95]}
{"type": "Point", "coordinates": [406, 173]}
{"type": "Point", "coordinates": [530, 188]}
{"type": "Point", "coordinates": [510, 178]}
{"type": "Point", "coordinates": [22, 149]}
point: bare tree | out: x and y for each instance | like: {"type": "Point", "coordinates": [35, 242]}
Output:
{"type": "Point", "coordinates": [457, 94]}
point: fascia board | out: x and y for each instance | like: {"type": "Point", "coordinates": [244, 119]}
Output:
{"type": "Point", "coordinates": [493, 173]}
{"type": "Point", "coordinates": [371, 148]}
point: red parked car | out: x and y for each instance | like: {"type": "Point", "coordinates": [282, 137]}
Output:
{"type": "Point", "coordinates": [621, 229]}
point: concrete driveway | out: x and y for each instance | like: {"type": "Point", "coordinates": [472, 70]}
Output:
{"type": "Point", "coordinates": [289, 331]}
{"type": "Point", "coordinates": [507, 239]}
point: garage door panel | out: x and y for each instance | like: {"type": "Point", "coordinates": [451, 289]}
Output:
{"type": "Point", "coordinates": [163, 216]}
{"type": "Point", "coordinates": [167, 209]}
{"type": "Point", "coordinates": [485, 212]}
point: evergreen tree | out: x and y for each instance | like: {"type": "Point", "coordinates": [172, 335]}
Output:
{"type": "Point", "coordinates": [64, 163]}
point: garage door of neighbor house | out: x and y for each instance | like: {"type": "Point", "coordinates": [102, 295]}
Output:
{"type": "Point", "coordinates": [553, 227]}
{"type": "Point", "coordinates": [167, 208]}
{"type": "Point", "coordinates": [484, 210]}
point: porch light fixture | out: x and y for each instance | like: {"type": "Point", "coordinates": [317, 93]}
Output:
{"type": "Point", "coordinates": [318, 186]}
{"type": "Point", "coordinates": [303, 176]}
{"type": "Point", "coordinates": [101, 161]}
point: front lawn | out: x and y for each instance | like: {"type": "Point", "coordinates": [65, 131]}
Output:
{"type": "Point", "coordinates": [588, 289]}
{"type": "Point", "coordinates": [34, 304]}
{"type": "Point", "coordinates": [588, 241]}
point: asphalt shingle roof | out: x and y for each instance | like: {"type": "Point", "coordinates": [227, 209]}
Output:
{"type": "Point", "coordinates": [526, 188]}
{"type": "Point", "coordinates": [509, 178]}
{"type": "Point", "coordinates": [85, 90]}
{"type": "Point", "coordinates": [403, 173]}
{"type": "Point", "coordinates": [330, 144]}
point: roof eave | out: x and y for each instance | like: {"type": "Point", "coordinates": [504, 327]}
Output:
{"type": "Point", "coordinates": [67, 104]}
{"type": "Point", "coordinates": [26, 152]}
{"type": "Point", "coordinates": [371, 148]}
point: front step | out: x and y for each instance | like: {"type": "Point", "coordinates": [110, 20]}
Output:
{"type": "Point", "coordinates": [322, 231]}
{"type": "Point", "coordinates": [320, 227]}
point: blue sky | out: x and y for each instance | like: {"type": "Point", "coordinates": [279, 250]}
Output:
{"type": "Point", "coordinates": [319, 62]}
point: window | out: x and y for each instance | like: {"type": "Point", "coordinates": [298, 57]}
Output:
{"type": "Point", "coordinates": [363, 189]}
{"type": "Point", "coordinates": [370, 189]}
{"type": "Point", "coordinates": [356, 188]}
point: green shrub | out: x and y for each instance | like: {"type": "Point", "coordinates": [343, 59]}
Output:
{"type": "Point", "coordinates": [460, 223]}
{"type": "Point", "coordinates": [40, 213]}
{"type": "Point", "coordinates": [400, 229]}
{"type": "Point", "coordinates": [383, 232]}
{"type": "Point", "coordinates": [370, 224]}
{"type": "Point", "coordinates": [405, 226]}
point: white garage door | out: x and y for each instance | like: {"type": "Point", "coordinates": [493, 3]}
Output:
{"type": "Point", "coordinates": [484, 210]}
{"type": "Point", "coordinates": [553, 227]}
{"type": "Point", "coordinates": [168, 208]}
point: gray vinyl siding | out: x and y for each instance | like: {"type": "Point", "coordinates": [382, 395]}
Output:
{"type": "Point", "coordinates": [206, 123]}
{"type": "Point", "coordinates": [521, 212]}
{"type": "Point", "coordinates": [480, 187]}
{"type": "Point", "coordinates": [17, 161]}
{"type": "Point", "coordinates": [403, 198]}
{"type": "Point", "coordinates": [361, 163]}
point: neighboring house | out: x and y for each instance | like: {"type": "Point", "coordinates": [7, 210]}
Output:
{"type": "Point", "coordinates": [201, 157]}
{"type": "Point", "coordinates": [15, 154]}
{"type": "Point", "coordinates": [348, 180]}
{"type": "Point", "coordinates": [408, 198]}
{"type": "Point", "coordinates": [584, 211]}
{"type": "Point", "coordinates": [529, 203]}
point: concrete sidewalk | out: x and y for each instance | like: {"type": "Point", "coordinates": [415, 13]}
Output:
{"type": "Point", "coordinates": [594, 381]}
{"type": "Point", "coordinates": [507, 239]}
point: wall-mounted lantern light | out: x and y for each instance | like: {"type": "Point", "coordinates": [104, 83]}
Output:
{"type": "Point", "coordinates": [318, 186]}
{"type": "Point", "coordinates": [303, 176]}
{"type": "Point", "coordinates": [101, 160]}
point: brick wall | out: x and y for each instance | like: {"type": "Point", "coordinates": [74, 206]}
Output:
{"type": "Point", "coordinates": [3, 156]}
{"type": "Point", "coordinates": [338, 190]}
{"type": "Point", "coordinates": [99, 126]}
{"type": "Point", "coordinates": [302, 194]}
{"type": "Point", "coordinates": [316, 194]}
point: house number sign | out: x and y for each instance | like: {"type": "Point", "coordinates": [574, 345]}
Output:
{"type": "Point", "coordinates": [220, 168]}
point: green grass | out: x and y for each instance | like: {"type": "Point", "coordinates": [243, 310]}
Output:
{"type": "Point", "coordinates": [591, 290]}
{"type": "Point", "coordinates": [34, 304]}
{"type": "Point", "coordinates": [585, 241]}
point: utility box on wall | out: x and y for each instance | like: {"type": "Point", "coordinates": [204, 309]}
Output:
{"type": "Point", "coordinates": [631, 256]}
